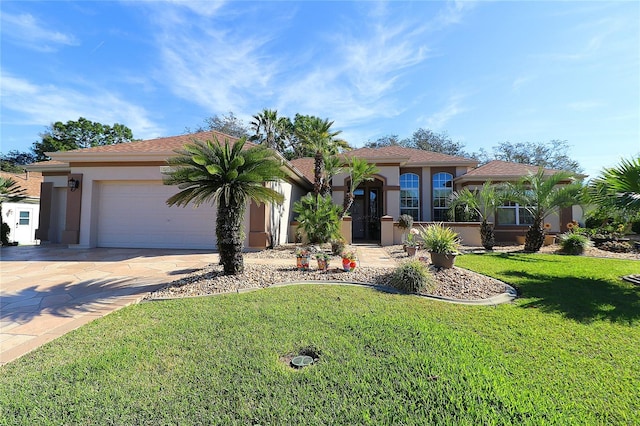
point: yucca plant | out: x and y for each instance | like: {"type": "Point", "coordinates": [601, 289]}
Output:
{"type": "Point", "coordinates": [228, 176]}
{"type": "Point", "coordinates": [438, 238]}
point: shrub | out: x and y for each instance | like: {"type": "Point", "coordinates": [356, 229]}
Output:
{"type": "Point", "coordinates": [319, 219]}
{"type": "Point", "coordinates": [337, 246]}
{"type": "Point", "coordinates": [405, 221]}
{"type": "Point", "coordinates": [412, 277]}
{"type": "Point", "coordinates": [616, 246]}
{"type": "Point", "coordinates": [635, 227]}
{"type": "Point", "coordinates": [574, 243]}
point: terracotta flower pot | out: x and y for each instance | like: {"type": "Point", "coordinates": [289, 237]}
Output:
{"type": "Point", "coordinates": [443, 260]}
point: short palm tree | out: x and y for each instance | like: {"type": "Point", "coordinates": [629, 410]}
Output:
{"type": "Point", "coordinates": [540, 194]}
{"type": "Point", "coordinates": [229, 176]}
{"type": "Point", "coordinates": [316, 136]}
{"type": "Point", "coordinates": [483, 202]}
{"type": "Point", "coordinates": [359, 171]}
{"type": "Point", "coordinates": [10, 192]}
{"type": "Point", "coordinates": [618, 187]}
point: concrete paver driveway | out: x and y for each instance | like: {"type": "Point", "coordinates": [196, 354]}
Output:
{"type": "Point", "coordinates": [46, 291]}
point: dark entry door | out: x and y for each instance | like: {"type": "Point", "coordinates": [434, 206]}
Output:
{"type": "Point", "coordinates": [365, 214]}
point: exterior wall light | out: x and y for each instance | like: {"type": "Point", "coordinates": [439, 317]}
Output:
{"type": "Point", "coordinates": [74, 184]}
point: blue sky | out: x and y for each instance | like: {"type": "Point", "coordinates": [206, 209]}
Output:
{"type": "Point", "coordinates": [485, 72]}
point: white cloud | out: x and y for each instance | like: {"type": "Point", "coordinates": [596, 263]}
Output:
{"type": "Point", "coordinates": [44, 104]}
{"type": "Point", "coordinates": [584, 105]}
{"type": "Point", "coordinates": [27, 31]}
{"type": "Point", "coordinates": [453, 107]}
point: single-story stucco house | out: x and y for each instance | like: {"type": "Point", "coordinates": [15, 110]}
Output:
{"type": "Point", "coordinates": [22, 216]}
{"type": "Point", "coordinates": [113, 196]}
{"type": "Point", "coordinates": [419, 183]}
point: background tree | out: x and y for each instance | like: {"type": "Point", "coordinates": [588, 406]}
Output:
{"type": "Point", "coordinates": [359, 171]}
{"type": "Point", "coordinates": [14, 161]}
{"type": "Point", "coordinates": [483, 202]}
{"type": "Point", "coordinates": [79, 134]}
{"type": "Point", "coordinates": [10, 192]}
{"type": "Point", "coordinates": [271, 130]}
{"type": "Point", "coordinates": [429, 140]}
{"type": "Point", "coordinates": [228, 124]}
{"type": "Point", "coordinates": [424, 139]}
{"type": "Point", "coordinates": [227, 176]}
{"type": "Point", "coordinates": [540, 194]}
{"type": "Point", "coordinates": [550, 155]}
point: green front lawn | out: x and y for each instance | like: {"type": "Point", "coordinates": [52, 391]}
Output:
{"type": "Point", "coordinates": [567, 352]}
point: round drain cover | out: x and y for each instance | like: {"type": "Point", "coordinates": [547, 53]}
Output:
{"type": "Point", "coordinates": [302, 361]}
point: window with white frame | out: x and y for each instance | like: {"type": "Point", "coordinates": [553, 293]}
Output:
{"type": "Point", "coordinates": [24, 218]}
{"type": "Point", "coordinates": [512, 213]}
{"type": "Point", "coordinates": [410, 195]}
{"type": "Point", "coordinates": [442, 190]}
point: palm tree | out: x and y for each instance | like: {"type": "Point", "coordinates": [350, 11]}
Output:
{"type": "Point", "coordinates": [228, 176]}
{"type": "Point", "coordinates": [540, 194]}
{"type": "Point", "coordinates": [482, 202]}
{"type": "Point", "coordinates": [359, 171]}
{"type": "Point", "coordinates": [618, 187]}
{"type": "Point", "coordinates": [332, 166]}
{"type": "Point", "coordinates": [316, 135]}
{"type": "Point", "coordinates": [10, 192]}
{"type": "Point", "coordinates": [270, 129]}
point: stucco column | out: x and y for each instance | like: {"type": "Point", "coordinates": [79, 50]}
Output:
{"type": "Point", "coordinates": [386, 231]}
{"type": "Point", "coordinates": [345, 229]}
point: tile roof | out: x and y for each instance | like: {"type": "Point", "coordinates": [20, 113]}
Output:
{"type": "Point", "coordinates": [29, 181]}
{"type": "Point", "coordinates": [159, 145]}
{"type": "Point", "coordinates": [410, 155]}
{"type": "Point", "coordinates": [306, 166]}
{"type": "Point", "coordinates": [505, 169]}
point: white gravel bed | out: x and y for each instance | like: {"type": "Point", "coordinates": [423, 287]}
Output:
{"type": "Point", "coordinates": [454, 283]}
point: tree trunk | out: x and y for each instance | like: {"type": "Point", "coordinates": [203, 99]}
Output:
{"type": "Point", "coordinates": [487, 235]}
{"type": "Point", "coordinates": [348, 202]}
{"type": "Point", "coordinates": [534, 239]}
{"type": "Point", "coordinates": [229, 234]}
{"type": "Point", "coordinates": [319, 168]}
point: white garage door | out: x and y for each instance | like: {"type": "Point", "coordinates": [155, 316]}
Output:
{"type": "Point", "coordinates": [135, 215]}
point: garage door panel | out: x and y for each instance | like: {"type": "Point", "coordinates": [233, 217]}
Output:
{"type": "Point", "coordinates": [136, 215]}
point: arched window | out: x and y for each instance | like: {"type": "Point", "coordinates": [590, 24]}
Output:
{"type": "Point", "coordinates": [410, 195]}
{"type": "Point", "coordinates": [442, 189]}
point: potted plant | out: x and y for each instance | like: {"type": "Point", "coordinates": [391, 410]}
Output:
{"type": "Point", "coordinates": [442, 243]}
{"type": "Point", "coordinates": [349, 261]}
{"type": "Point", "coordinates": [302, 259]}
{"type": "Point", "coordinates": [323, 261]}
{"type": "Point", "coordinates": [412, 244]}
{"type": "Point", "coordinates": [405, 222]}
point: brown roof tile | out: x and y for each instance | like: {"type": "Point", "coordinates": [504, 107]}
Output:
{"type": "Point", "coordinates": [306, 166]}
{"type": "Point", "coordinates": [159, 145]}
{"type": "Point", "coordinates": [505, 169]}
{"type": "Point", "coordinates": [29, 181]}
{"type": "Point", "coordinates": [417, 156]}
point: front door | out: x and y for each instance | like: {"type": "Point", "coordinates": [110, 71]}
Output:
{"type": "Point", "coordinates": [366, 212]}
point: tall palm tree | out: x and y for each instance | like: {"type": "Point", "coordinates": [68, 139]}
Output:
{"type": "Point", "coordinates": [483, 202]}
{"type": "Point", "coordinates": [228, 176]}
{"type": "Point", "coordinates": [359, 171]}
{"type": "Point", "coordinates": [10, 192]}
{"type": "Point", "coordinates": [540, 194]}
{"type": "Point", "coordinates": [618, 187]}
{"type": "Point", "coordinates": [316, 135]}
{"type": "Point", "coordinates": [270, 130]}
